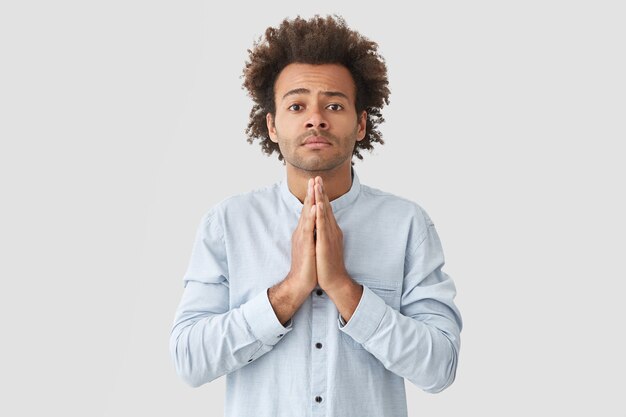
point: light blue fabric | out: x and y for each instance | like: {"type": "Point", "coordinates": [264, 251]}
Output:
{"type": "Point", "coordinates": [406, 324]}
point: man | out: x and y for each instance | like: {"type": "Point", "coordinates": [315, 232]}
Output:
{"type": "Point", "coordinates": [317, 295]}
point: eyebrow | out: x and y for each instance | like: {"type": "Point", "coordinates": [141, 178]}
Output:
{"type": "Point", "coordinates": [307, 91]}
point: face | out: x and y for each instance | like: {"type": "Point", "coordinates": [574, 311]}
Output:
{"type": "Point", "coordinates": [316, 125]}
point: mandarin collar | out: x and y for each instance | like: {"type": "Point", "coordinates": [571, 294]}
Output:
{"type": "Point", "coordinates": [337, 204]}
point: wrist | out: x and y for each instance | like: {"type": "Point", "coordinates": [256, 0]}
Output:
{"type": "Point", "coordinates": [339, 284]}
{"type": "Point", "coordinates": [296, 286]}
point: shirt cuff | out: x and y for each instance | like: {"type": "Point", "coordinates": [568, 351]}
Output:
{"type": "Point", "coordinates": [262, 320]}
{"type": "Point", "coordinates": [366, 317]}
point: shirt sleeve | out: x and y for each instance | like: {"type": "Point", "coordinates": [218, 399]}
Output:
{"type": "Point", "coordinates": [208, 338]}
{"type": "Point", "coordinates": [421, 341]}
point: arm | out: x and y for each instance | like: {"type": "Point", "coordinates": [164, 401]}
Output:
{"type": "Point", "coordinates": [421, 341]}
{"type": "Point", "coordinates": [208, 338]}
{"type": "Point", "coordinates": [287, 296]}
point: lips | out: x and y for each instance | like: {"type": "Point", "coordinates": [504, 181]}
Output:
{"type": "Point", "coordinates": [316, 140]}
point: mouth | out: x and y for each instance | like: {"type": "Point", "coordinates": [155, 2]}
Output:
{"type": "Point", "coordinates": [316, 142]}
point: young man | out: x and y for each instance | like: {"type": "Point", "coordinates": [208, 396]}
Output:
{"type": "Point", "coordinates": [317, 295]}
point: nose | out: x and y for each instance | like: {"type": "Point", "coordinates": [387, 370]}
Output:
{"type": "Point", "coordinates": [316, 119]}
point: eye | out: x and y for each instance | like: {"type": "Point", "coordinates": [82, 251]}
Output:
{"type": "Point", "coordinates": [335, 106]}
{"type": "Point", "coordinates": [295, 107]}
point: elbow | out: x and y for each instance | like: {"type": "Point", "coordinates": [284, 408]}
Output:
{"type": "Point", "coordinates": [436, 371]}
{"type": "Point", "coordinates": [190, 380]}
{"type": "Point", "coordinates": [184, 364]}
{"type": "Point", "coordinates": [440, 384]}
{"type": "Point", "coordinates": [186, 374]}
{"type": "Point", "coordinates": [444, 374]}
{"type": "Point", "coordinates": [185, 371]}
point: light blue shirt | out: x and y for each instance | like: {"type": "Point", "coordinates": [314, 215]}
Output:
{"type": "Point", "coordinates": [406, 324]}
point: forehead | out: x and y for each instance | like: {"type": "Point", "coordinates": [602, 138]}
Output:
{"type": "Point", "coordinates": [316, 78]}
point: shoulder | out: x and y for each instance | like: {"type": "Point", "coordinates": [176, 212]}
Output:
{"type": "Point", "coordinates": [406, 217]}
{"type": "Point", "coordinates": [240, 204]}
{"type": "Point", "coordinates": [398, 206]}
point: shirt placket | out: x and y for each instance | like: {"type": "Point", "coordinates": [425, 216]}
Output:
{"type": "Point", "coordinates": [319, 374]}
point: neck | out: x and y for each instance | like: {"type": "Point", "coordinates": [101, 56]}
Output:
{"type": "Point", "coordinates": [337, 181]}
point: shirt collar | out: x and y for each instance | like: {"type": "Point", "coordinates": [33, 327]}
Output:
{"type": "Point", "coordinates": [337, 204]}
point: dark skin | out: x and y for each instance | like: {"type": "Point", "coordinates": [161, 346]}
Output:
{"type": "Point", "coordinates": [314, 261]}
{"type": "Point", "coordinates": [316, 101]}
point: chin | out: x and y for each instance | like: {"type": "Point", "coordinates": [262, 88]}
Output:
{"type": "Point", "coordinates": [319, 165]}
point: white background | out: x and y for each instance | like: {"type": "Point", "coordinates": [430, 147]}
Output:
{"type": "Point", "coordinates": [122, 122]}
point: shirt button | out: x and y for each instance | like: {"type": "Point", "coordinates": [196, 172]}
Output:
{"type": "Point", "coordinates": [249, 360]}
{"type": "Point", "coordinates": [318, 399]}
{"type": "Point", "coordinates": [280, 335]}
{"type": "Point", "coordinates": [319, 292]}
{"type": "Point", "coordinates": [318, 345]}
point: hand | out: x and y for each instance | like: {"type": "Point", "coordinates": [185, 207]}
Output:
{"type": "Point", "coordinates": [331, 270]}
{"type": "Point", "coordinates": [303, 269]}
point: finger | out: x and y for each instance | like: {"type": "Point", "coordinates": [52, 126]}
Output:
{"type": "Point", "coordinates": [310, 185]}
{"type": "Point", "coordinates": [304, 211]}
{"type": "Point", "coordinates": [309, 208]}
{"type": "Point", "coordinates": [308, 199]}
{"type": "Point", "coordinates": [327, 211]}
{"type": "Point", "coordinates": [321, 209]}
{"type": "Point", "coordinates": [324, 195]}
{"type": "Point", "coordinates": [321, 195]}
{"type": "Point", "coordinates": [330, 216]}
{"type": "Point", "coordinates": [312, 201]}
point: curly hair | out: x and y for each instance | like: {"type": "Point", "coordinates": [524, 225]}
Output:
{"type": "Point", "coordinates": [315, 41]}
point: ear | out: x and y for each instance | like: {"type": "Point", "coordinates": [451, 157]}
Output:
{"type": "Point", "coordinates": [361, 126]}
{"type": "Point", "coordinates": [271, 127]}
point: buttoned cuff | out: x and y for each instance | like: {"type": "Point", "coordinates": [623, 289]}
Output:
{"type": "Point", "coordinates": [366, 317]}
{"type": "Point", "coordinates": [262, 320]}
